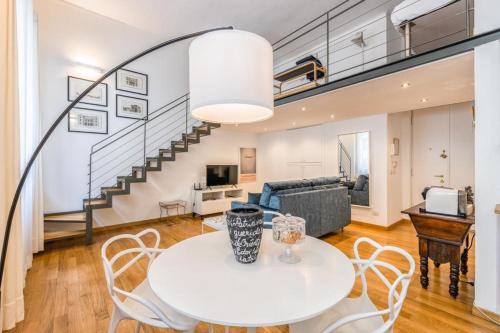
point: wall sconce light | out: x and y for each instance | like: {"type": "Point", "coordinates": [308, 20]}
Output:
{"type": "Point", "coordinates": [86, 71]}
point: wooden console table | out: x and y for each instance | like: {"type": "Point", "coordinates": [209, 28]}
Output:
{"type": "Point", "coordinates": [441, 238]}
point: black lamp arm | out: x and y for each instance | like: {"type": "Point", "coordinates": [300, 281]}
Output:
{"type": "Point", "coordinates": [63, 114]}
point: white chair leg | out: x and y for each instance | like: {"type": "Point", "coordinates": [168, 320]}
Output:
{"type": "Point", "coordinates": [114, 321]}
{"type": "Point", "coordinates": [138, 327]}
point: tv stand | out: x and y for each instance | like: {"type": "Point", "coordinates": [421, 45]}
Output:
{"type": "Point", "coordinates": [217, 200]}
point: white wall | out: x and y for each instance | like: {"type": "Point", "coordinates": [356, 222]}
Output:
{"type": "Point", "coordinates": [67, 35]}
{"type": "Point", "coordinates": [316, 149]}
{"type": "Point", "coordinates": [346, 58]}
{"type": "Point", "coordinates": [176, 179]}
{"type": "Point", "coordinates": [394, 171]}
{"type": "Point", "coordinates": [487, 158]}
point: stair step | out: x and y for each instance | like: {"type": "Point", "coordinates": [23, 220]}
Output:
{"type": "Point", "coordinates": [114, 191]}
{"type": "Point", "coordinates": [51, 236]}
{"type": "Point", "coordinates": [212, 125]}
{"type": "Point", "coordinates": [79, 217]}
{"type": "Point", "coordinates": [179, 143]}
{"type": "Point", "coordinates": [100, 203]}
{"type": "Point", "coordinates": [191, 138]}
{"type": "Point", "coordinates": [155, 168]}
{"type": "Point", "coordinates": [130, 179]}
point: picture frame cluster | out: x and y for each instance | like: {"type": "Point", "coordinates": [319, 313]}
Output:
{"type": "Point", "coordinates": [129, 105]}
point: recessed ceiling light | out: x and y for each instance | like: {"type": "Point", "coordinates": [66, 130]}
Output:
{"type": "Point", "coordinates": [293, 124]}
{"type": "Point", "coordinates": [303, 108]}
{"type": "Point", "coordinates": [332, 116]}
{"type": "Point", "coordinates": [405, 84]}
{"type": "Point", "coordinates": [265, 129]}
{"type": "Point", "coordinates": [424, 100]}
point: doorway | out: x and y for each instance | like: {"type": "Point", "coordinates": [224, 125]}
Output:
{"type": "Point", "coordinates": [442, 148]}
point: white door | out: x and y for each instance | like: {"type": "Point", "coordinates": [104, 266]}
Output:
{"type": "Point", "coordinates": [443, 148]}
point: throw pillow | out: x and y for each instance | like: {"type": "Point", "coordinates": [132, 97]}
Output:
{"type": "Point", "coordinates": [274, 202]}
{"type": "Point", "coordinates": [265, 196]}
{"type": "Point", "coordinates": [360, 182]}
{"type": "Point", "coordinates": [253, 198]}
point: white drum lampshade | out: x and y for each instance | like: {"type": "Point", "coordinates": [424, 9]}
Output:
{"type": "Point", "coordinates": [231, 77]}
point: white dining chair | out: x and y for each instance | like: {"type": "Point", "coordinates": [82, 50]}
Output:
{"type": "Point", "coordinates": [140, 304]}
{"type": "Point", "coordinates": [359, 314]}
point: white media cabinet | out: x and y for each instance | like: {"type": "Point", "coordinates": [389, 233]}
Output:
{"type": "Point", "coordinates": [215, 200]}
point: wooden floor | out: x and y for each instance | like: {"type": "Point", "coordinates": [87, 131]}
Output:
{"type": "Point", "coordinates": [66, 292]}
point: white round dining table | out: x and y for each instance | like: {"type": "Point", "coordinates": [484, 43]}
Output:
{"type": "Point", "coordinates": [200, 278]}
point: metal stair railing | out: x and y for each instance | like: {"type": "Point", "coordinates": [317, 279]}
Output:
{"type": "Point", "coordinates": [130, 147]}
{"type": "Point", "coordinates": [345, 161]}
{"type": "Point", "coordinates": [348, 44]}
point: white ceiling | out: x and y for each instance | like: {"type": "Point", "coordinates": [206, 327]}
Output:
{"type": "Point", "coordinates": [444, 82]}
{"type": "Point", "coordinates": [271, 19]}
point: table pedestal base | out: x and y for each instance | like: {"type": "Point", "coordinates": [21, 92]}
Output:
{"type": "Point", "coordinates": [441, 253]}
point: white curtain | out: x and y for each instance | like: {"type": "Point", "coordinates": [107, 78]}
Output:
{"type": "Point", "coordinates": [19, 132]}
{"type": "Point", "coordinates": [12, 306]}
{"type": "Point", "coordinates": [30, 131]}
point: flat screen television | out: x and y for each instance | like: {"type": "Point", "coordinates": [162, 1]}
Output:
{"type": "Point", "coordinates": [218, 175]}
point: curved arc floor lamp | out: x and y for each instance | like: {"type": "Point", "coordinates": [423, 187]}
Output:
{"type": "Point", "coordinates": [63, 114]}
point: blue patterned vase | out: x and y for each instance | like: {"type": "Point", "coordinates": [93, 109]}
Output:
{"type": "Point", "coordinates": [245, 227]}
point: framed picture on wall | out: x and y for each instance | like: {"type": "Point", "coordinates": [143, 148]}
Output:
{"type": "Point", "coordinates": [131, 81]}
{"type": "Point", "coordinates": [97, 96]}
{"type": "Point", "coordinates": [88, 121]}
{"type": "Point", "coordinates": [131, 107]}
{"type": "Point", "coordinates": [248, 165]}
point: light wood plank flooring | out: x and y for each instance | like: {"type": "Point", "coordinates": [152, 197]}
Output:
{"type": "Point", "coordinates": [66, 292]}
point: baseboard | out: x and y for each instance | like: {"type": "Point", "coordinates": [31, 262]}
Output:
{"type": "Point", "coordinates": [380, 227]}
{"type": "Point", "coordinates": [484, 314]}
{"type": "Point", "coordinates": [97, 230]}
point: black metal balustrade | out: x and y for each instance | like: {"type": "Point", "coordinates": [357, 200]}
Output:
{"type": "Point", "coordinates": [345, 162]}
{"type": "Point", "coordinates": [130, 147]}
{"type": "Point", "coordinates": [358, 35]}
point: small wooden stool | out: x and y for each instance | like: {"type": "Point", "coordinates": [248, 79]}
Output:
{"type": "Point", "coordinates": [167, 205]}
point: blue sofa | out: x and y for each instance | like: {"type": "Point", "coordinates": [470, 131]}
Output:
{"type": "Point", "coordinates": [322, 202]}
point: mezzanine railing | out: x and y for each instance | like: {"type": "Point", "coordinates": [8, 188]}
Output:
{"type": "Point", "coordinates": [359, 35]}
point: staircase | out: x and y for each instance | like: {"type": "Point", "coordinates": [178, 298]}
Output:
{"type": "Point", "coordinates": [345, 163]}
{"type": "Point", "coordinates": [166, 132]}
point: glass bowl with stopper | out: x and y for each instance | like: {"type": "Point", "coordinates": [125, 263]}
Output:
{"type": "Point", "coordinates": [289, 230]}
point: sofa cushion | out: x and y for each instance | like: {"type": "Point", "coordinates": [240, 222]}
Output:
{"type": "Point", "coordinates": [288, 184]}
{"type": "Point", "coordinates": [272, 187]}
{"type": "Point", "coordinates": [265, 195]}
{"type": "Point", "coordinates": [321, 181]}
{"type": "Point", "coordinates": [254, 198]}
{"type": "Point", "coordinates": [326, 187]}
{"type": "Point", "coordinates": [274, 202]}
{"type": "Point", "coordinates": [294, 190]}
{"type": "Point", "coordinates": [360, 183]}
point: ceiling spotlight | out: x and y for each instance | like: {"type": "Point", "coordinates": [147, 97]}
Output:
{"type": "Point", "coordinates": [293, 124]}
{"type": "Point", "coordinates": [424, 100]}
{"type": "Point", "coordinates": [303, 108]}
{"type": "Point", "coordinates": [332, 116]}
{"type": "Point", "coordinates": [405, 85]}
